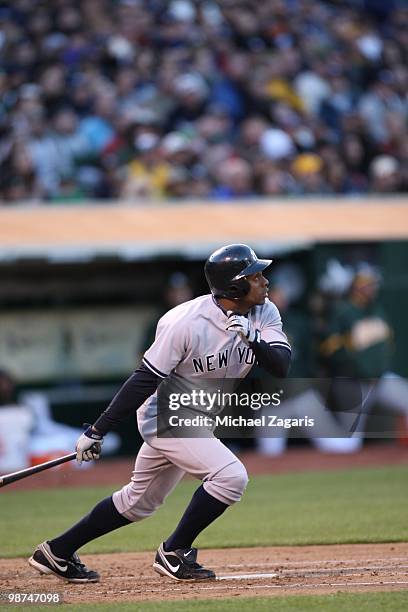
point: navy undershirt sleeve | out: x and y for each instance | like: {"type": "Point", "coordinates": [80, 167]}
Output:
{"type": "Point", "coordinates": [274, 359]}
{"type": "Point", "coordinates": [138, 387]}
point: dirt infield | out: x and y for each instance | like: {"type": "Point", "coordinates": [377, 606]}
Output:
{"type": "Point", "coordinates": [241, 572]}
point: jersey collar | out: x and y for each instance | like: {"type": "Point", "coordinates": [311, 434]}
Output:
{"type": "Point", "coordinates": [219, 306]}
{"type": "Point", "coordinates": [223, 309]}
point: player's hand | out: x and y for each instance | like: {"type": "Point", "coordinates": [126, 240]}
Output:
{"type": "Point", "coordinates": [241, 325]}
{"type": "Point", "coordinates": [88, 446]}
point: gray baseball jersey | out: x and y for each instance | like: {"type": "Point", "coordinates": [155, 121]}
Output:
{"type": "Point", "coordinates": [191, 343]}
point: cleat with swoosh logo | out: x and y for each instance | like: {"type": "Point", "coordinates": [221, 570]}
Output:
{"type": "Point", "coordinates": [181, 564]}
{"type": "Point", "coordinates": [71, 570]}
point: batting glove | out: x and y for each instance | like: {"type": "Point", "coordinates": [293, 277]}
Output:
{"type": "Point", "coordinates": [88, 446]}
{"type": "Point", "coordinates": [242, 326]}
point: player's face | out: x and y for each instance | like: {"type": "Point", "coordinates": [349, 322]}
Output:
{"type": "Point", "coordinates": [258, 289]}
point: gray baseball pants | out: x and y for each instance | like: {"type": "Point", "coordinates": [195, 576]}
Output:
{"type": "Point", "coordinates": [162, 462]}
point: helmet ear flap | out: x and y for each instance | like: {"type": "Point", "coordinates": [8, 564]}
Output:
{"type": "Point", "coordinates": [238, 289]}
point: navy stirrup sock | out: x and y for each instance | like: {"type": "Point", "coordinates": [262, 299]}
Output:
{"type": "Point", "coordinates": [102, 519]}
{"type": "Point", "coordinates": [202, 510]}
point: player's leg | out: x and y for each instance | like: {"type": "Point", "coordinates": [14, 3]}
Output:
{"type": "Point", "coordinates": [58, 556]}
{"type": "Point", "coordinates": [224, 481]}
{"type": "Point", "coordinates": [153, 478]}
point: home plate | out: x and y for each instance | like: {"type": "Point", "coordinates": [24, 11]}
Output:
{"type": "Point", "coordinates": [247, 577]}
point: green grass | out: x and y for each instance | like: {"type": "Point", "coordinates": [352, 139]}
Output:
{"type": "Point", "coordinates": [339, 602]}
{"type": "Point", "coordinates": [364, 505]}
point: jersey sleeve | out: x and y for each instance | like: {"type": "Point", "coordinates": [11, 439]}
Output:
{"type": "Point", "coordinates": [168, 348]}
{"type": "Point", "coordinates": [271, 327]}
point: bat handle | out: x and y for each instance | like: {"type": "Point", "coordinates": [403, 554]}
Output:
{"type": "Point", "coordinates": [9, 478]}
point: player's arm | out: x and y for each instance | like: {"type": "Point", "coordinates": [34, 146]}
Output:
{"type": "Point", "coordinates": [137, 388]}
{"type": "Point", "coordinates": [271, 347]}
{"type": "Point", "coordinates": [158, 361]}
{"type": "Point", "coordinates": [272, 358]}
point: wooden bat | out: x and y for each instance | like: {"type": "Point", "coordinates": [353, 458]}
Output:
{"type": "Point", "coordinates": [9, 478]}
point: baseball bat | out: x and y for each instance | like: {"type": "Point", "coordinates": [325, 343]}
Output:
{"type": "Point", "coordinates": [9, 478]}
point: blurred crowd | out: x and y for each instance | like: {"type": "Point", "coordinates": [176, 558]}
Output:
{"type": "Point", "coordinates": [154, 99]}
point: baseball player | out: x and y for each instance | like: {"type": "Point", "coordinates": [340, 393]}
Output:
{"type": "Point", "coordinates": [207, 337]}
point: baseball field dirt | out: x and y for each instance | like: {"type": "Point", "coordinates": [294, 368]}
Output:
{"type": "Point", "coordinates": [272, 571]}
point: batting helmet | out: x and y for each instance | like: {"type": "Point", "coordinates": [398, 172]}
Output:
{"type": "Point", "coordinates": [226, 269]}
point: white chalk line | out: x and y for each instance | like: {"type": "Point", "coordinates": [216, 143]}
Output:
{"type": "Point", "coordinates": [317, 562]}
{"type": "Point", "coordinates": [247, 577]}
{"type": "Point", "coordinates": [304, 572]}
{"type": "Point", "coordinates": [346, 571]}
{"type": "Point", "coordinates": [359, 568]}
